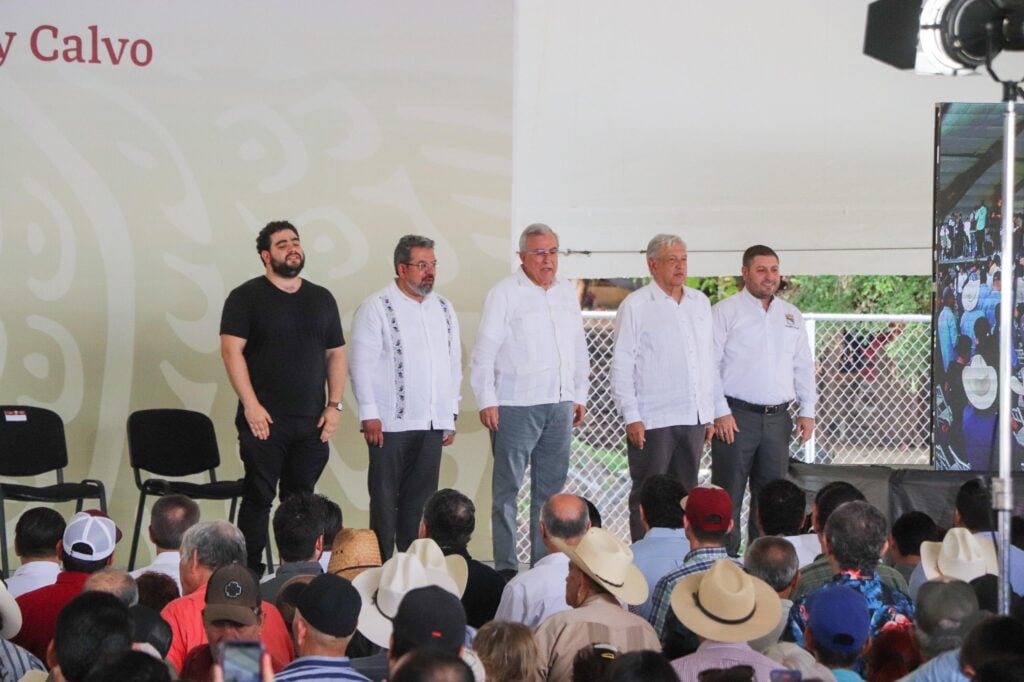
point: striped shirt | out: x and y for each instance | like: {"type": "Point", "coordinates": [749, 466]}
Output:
{"type": "Point", "coordinates": [15, 662]}
{"type": "Point", "coordinates": [320, 668]}
{"type": "Point", "coordinates": [697, 561]}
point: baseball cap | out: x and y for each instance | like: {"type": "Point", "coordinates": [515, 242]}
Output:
{"type": "Point", "coordinates": [708, 508]}
{"type": "Point", "coordinates": [232, 594]}
{"type": "Point", "coordinates": [431, 616]}
{"type": "Point", "coordinates": [331, 605]}
{"type": "Point", "coordinates": [838, 619]}
{"type": "Point", "coordinates": [90, 536]}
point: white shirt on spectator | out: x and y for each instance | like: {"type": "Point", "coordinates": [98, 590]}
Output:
{"type": "Point", "coordinates": [530, 347]}
{"type": "Point", "coordinates": [763, 356]}
{"type": "Point", "coordinates": [32, 576]}
{"type": "Point", "coordinates": [807, 547]}
{"type": "Point", "coordinates": [531, 597]}
{"type": "Point", "coordinates": [662, 368]}
{"type": "Point", "coordinates": [168, 563]}
{"type": "Point", "coordinates": [406, 361]}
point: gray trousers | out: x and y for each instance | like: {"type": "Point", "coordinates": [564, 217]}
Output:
{"type": "Point", "coordinates": [403, 474]}
{"type": "Point", "coordinates": [673, 450]}
{"type": "Point", "coordinates": [538, 435]}
{"type": "Point", "coordinates": [759, 452]}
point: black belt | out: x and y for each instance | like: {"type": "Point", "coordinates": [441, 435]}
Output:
{"type": "Point", "coordinates": [752, 407]}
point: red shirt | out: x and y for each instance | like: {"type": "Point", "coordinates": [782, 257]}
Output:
{"type": "Point", "coordinates": [185, 616]}
{"type": "Point", "coordinates": [39, 609]}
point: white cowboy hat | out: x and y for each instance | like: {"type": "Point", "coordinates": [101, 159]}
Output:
{"type": "Point", "coordinates": [969, 296]}
{"type": "Point", "coordinates": [382, 590]}
{"type": "Point", "coordinates": [608, 560]}
{"type": "Point", "coordinates": [10, 613]}
{"type": "Point", "coordinates": [981, 383]}
{"type": "Point", "coordinates": [725, 604]}
{"type": "Point", "coordinates": [960, 555]}
{"type": "Point", "coordinates": [432, 558]}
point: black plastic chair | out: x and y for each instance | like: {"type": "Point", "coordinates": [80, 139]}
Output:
{"type": "Point", "coordinates": [173, 442]}
{"type": "Point", "coordinates": [32, 442]}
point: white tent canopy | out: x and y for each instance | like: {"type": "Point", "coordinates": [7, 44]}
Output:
{"type": "Point", "coordinates": [730, 124]}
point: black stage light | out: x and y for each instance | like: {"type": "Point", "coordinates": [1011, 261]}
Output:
{"type": "Point", "coordinates": [947, 37]}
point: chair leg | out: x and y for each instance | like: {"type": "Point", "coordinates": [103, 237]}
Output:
{"type": "Point", "coordinates": [270, 558]}
{"type": "Point", "coordinates": [234, 508]}
{"type": "Point", "coordinates": [138, 527]}
{"type": "Point", "coordinates": [3, 539]}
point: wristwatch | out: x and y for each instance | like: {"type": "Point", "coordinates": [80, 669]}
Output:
{"type": "Point", "coordinates": [338, 406]}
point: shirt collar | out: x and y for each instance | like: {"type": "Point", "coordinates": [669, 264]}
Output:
{"type": "Point", "coordinates": [658, 533]}
{"type": "Point", "coordinates": [525, 281]}
{"type": "Point", "coordinates": [703, 552]}
{"type": "Point", "coordinates": [756, 301]}
{"type": "Point", "coordinates": [657, 293]}
{"type": "Point", "coordinates": [402, 296]}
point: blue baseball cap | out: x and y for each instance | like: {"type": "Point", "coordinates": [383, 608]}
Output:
{"type": "Point", "coordinates": [838, 618]}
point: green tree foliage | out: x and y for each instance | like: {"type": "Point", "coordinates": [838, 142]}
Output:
{"type": "Point", "coordinates": [860, 294]}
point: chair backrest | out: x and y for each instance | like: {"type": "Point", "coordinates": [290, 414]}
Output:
{"type": "Point", "coordinates": [31, 441]}
{"type": "Point", "coordinates": [172, 442]}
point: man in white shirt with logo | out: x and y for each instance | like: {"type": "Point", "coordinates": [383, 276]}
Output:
{"type": "Point", "coordinates": [764, 363]}
{"type": "Point", "coordinates": [662, 373]}
{"type": "Point", "coordinates": [530, 373]}
{"type": "Point", "coordinates": [406, 368]}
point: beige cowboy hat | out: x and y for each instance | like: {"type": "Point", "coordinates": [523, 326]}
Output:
{"type": "Point", "coordinates": [970, 294]}
{"type": "Point", "coordinates": [607, 560]}
{"type": "Point", "coordinates": [10, 613]}
{"type": "Point", "coordinates": [725, 604]}
{"type": "Point", "coordinates": [433, 559]}
{"type": "Point", "coordinates": [981, 383]}
{"type": "Point", "coordinates": [960, 555]}
{"type": "Point", "coordinates": [354, 550]}
{"type": "Point", "coordinates": [382, 590]}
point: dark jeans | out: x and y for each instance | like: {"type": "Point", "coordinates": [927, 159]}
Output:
{"type": "Point", "coordinates": [293, 455]}
{"type": "Point", "coordinates": [403, 474]}
{"type": "Point", "coordinates": [759, 452]}
{"type": "Point", "coordinates": [673, 450]}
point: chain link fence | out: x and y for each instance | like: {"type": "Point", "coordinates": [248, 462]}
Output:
{"type": "Point", "coordinates": [874, 386]}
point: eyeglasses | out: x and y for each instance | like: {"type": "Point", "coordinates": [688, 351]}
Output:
{"type": "Point", "coordinates": [423, 265]}
{"type": "Point", "coordinates": [540, 253]}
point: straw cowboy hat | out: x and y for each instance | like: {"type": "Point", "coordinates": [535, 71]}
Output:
{"type": "Point", "coordinates": [382, 589]}
{"type": "Point", "coordinates": [960, 555]}
{"type": "Point", "coordinates": [969, 296]}
{"type": "Point", "coordinates": [608, 561]}
{"type": "Point", "coordinates": [725, 604]}
{"type": "Point", "coordinates": [981, 383]}
{"type": "Point", "coordinates": [354, 550]}
{"type": "Point", "coordinates": [10, 613]}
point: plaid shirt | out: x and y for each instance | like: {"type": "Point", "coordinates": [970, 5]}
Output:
{"type": "Point", "coordinates": [697, 561]}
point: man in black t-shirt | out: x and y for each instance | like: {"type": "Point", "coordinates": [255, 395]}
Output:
{"type": "Point", "coordinates": [281, 340]}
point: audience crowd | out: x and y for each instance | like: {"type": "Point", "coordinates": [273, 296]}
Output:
{"type": "Point", "coordinates": [856, 598]}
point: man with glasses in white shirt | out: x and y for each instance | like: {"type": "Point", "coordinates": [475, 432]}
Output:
{"type": "Point", "coordinates": [530, 373]}
{"type": "Point", "coordinates": [406, 368]}
{"type": "Point", "coordinates": [763, 362]}
{"type": "Point", "coordinates": [662, 373]}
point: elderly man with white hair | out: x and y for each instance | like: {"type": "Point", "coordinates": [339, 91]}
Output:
{"type": "Point", "coordinates": [530, 373]}
{"type": "Point", "coordinates": [662, 373]}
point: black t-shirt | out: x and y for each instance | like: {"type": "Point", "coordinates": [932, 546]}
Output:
{"type": "Point", "coordinates": [286, 336]}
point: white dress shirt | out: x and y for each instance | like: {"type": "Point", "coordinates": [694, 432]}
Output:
{"type": "Point", "coordinates": [662, 368]}
{"type": "Point", "coordinates": [530, 348]}
{"type": "Point", "coordinates": [168, 563]}
{"type": "Point", "coordinates": [32, 576]}
{"type": "Point", "coordinates": [763, 356]}
{"type": "Point", "coordinates": [531, 597]}
{"type": "Point", "coordinates": [406, 361]}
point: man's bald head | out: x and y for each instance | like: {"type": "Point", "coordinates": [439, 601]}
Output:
{"type": "Point", "coordinates": [565, 516]}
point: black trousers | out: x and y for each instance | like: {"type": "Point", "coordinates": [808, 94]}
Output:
{"type": "Point", "coordinates": [403, 474]}
{"type": "Point", "coordinates": [293, 455]}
